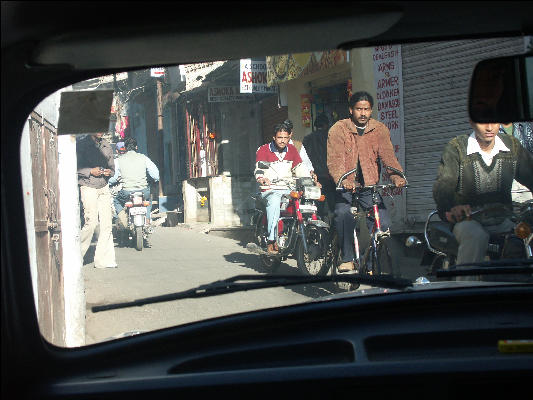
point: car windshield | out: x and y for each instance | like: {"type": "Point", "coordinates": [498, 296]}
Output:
{"type": "Point", "coordinates": [201, 172]}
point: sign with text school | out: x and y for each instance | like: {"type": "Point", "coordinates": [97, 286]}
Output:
{"type": "Point", "coordinates": [388, 108]}
{"type": "Point", "coordinates": [253, 77]}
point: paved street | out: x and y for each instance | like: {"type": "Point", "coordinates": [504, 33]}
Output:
{"type": "Point", "coordinates": [181, 258]}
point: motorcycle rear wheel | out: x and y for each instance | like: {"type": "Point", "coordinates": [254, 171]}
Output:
{"type": "Point", "coordinates": [139, 238]}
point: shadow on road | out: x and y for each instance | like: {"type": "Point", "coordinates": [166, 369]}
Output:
{"type": "Point", "coordinates": [252, 261]}
{"type": "Point", "coordinates": [242, 235]}
{"type": "Point", "coordinates": [89, 256]}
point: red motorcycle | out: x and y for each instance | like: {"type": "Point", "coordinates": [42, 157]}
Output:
{"type": "Point", "coordinates": [300, 231]}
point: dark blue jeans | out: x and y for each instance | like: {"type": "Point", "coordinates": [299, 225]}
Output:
{"type": "Point", "coordinates": [345, 222]}
{"type": "Point", "coordinates": [124, 195]}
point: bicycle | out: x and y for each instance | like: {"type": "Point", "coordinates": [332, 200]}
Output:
{"type": "Point", "coordinates": [377, 256]}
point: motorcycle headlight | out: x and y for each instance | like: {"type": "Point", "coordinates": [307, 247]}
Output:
{"type": "Point", "coordinates": [312, 192]}
{"type": "Point", "coordinates": [137, 201]}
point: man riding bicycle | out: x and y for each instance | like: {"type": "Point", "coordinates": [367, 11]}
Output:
{"type": "Point", "coordinates": [359, 141]}
{"type": "Point", "coordinates": [285, 162]}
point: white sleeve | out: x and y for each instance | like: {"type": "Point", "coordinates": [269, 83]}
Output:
{"type": "Point", "coordinates": [305, 159]}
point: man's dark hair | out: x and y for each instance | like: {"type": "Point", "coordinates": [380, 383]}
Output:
{"type": "Point", "coordinates": [130, 143]}
{"type": "Point", "coordinates": [288, 124]}
{"type": "Point", "coordinates": [285, 126]}
{"type": "Point", "coordinates": [360, 96]}
{"type": "Point", "coordinates": [321, 121]}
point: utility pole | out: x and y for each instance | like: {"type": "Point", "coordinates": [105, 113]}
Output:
{"type": "Point", "coordinates": [160, 133]}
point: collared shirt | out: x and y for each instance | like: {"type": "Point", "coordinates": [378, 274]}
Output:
{"type": "Point", "coordinates": [279, 153]}
{"type": "Point", "coordinates": [283, 164]}
{"type": "Point", "coordinates": [473, 147]}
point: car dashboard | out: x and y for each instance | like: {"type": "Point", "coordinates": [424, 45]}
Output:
{"type": "Point", "coordinates": [443, 341]}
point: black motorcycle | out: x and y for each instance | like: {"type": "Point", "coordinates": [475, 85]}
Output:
{"type": "Point", "coordinates": [441, 246]}
{"type": "Point", "coordinates": [136, 231]}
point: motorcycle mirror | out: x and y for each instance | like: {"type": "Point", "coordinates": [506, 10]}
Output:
{"type": "Point", "coordinates": [501, 90]}
{"type": "Point", "coordinates": [263, 164]}
{"type": "Point", "coordinates": [412, 241]}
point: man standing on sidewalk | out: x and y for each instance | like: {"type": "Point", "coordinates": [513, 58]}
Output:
{"type": "Point", "coordinates": [95, 167]}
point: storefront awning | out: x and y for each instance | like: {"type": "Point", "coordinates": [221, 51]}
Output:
{"type": "Point", "coordinates": [290, 66]}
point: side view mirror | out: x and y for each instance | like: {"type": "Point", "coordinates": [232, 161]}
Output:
{"type": "Point", "coordinates": [501, 90]}
{"type": "Point", "coordinates": [263, 164]}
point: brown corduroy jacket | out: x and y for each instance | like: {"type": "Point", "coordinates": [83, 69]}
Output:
{"type": "Point", "coordinates": [345, 147]}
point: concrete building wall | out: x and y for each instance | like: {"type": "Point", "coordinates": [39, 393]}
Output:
{"type": "Point", "coordinates": [231, 200]}
{"type": "Point", "coordinates": [362, 72]}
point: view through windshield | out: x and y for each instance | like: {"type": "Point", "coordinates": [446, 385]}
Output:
{"type": "Point", "coordinates": [303, 164]}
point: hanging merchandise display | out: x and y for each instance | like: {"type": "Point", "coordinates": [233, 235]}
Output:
{"type": "Point", "coordinates": [202, 146]}
{"type": "Point", "coordinates": [121, 125]}
{"type": "Point", "coordinates": [306, 100]}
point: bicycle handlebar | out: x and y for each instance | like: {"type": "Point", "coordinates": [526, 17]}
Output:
{"type": "Point", "coordinates": [339, 182]}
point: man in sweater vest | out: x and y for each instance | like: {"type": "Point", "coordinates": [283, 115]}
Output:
{"type": "Point", "coordinates": [285, 162]}
{"type": "Point", "coordinates": [477, 170]}
{"type": "Point", "coordinates": [133, 168]}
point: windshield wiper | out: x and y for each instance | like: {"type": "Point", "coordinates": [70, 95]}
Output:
{"type": "Point", "coordinates": [496, 267]}
{"type": "Point", "coordinates": [241, 283]}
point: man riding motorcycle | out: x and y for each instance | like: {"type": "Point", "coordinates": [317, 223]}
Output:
{"type": "Point", "coordinates": [132, 169]}
{"type": "Point", "coordinates": [285, 162]}
{"type": "Point", "coordinates": [477, 170]}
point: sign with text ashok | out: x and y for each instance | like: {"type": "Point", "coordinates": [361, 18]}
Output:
{"type": "Point", "coordinates": [218, 94]}
{"type": "Point", "coordinates": [254, 77]}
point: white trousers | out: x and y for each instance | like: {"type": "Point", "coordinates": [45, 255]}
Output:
{"type": "Point", "coordinates": [96, 211]}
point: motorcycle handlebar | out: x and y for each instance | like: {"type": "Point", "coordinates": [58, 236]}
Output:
{"type": "Point", "coordinates": [373, 187]}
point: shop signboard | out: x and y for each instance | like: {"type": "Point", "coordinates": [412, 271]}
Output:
{"type": "Point", "coordinates": [219, 94]}
{"type": "Point", "coordinates": [388, 108]}
{"type": "Point", "coordinates": [157, 72]}
{"type": "Point", "coordinates": [285, 67]}
{"type": "Point", "coordinates": [253, 77]}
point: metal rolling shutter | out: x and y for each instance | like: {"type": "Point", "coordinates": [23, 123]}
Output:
{"type": "Point", "coordinates": [436, 78]}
